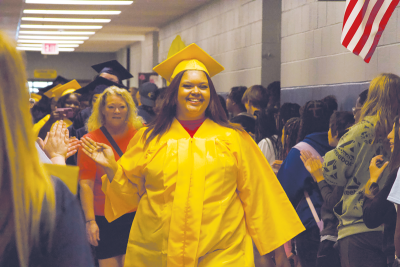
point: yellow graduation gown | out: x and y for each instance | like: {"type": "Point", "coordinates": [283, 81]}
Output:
{"type": "Point", "coordinates": [200, 201]}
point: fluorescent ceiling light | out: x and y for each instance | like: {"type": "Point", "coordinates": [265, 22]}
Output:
{"type": "Point", "coordinates": [40, 49]}
{"type": "Point", "coordinates": [73, 27]}
{"type": "Point", "coordinates": [49, 41]}
{"type": "Point", "coordinates": [66, 20]}
{"type": "Point", "coordinates": [57, 32]}
{"type": "Point", "coordinates": [53, 37]}
{"type": "Point", "coordinates": [69, 2]}
{"type": "Point", "coordinates": [72, 12]}
{"type": "Point", "coordinates": [40, 45]}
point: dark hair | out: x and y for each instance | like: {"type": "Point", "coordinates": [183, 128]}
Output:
{"type": "Point", "coordinates": [61, 102]}
{"type": "Point", "coordinates": [363, 96]}
{"type": "Point", "coordinates": [41, 109]}
{"type": "Point", "coordinates": [314, 119]}
{"type": "Point", "coordinates": [291, 127]}
{"type": "Point", "coordinates": [160, 93]}
{"type": "Point", "coordinates": [274, 90]}
{"type": "Point", "coordinates": [91, 95]}
{"type": "Point", "coordinates": [163, 121]}
{"type": "Point", "coordinates": [236, 96]}
{"type": "Point", "coordinates": [85, 97]}
{"type": "Point", "coordinates": [223, 104]}
{"type": "Point", "coordinates": [340, 122]}
{"type": "Point", "coordinates": [159, 99]}
{"type": "Point", "coordinates": [133, 91]}
{"type": "Point", "coordinates": [286, 112]}
{"type": "Point", "coordinates": [98, 75]}
{"type": "Point", "coordinates": [149, 110]}
{"type": "Point", "coordinates": [331, 103]}
{"type": "Point", "coordinates": [257, 95]}
{"type": "Point", "coordinates": [266, 127]}
{"type": "Point", "coordinates": [394, 162]}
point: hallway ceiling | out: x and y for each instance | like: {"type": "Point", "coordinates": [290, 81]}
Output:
{"type": "Point", "coordinates": [135, 20]}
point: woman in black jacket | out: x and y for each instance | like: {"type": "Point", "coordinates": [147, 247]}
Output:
{"type": "Point", "coordinates": [377, 209]}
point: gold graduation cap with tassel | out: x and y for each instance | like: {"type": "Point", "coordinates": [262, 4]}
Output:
{"type": "Point", "coordinates": [68, 88]}
{"type": "Point", "coordinates": [51, 92]}
{"type": "Point", "coordinates": [191, 57]}
{"type": "Point", "coordinates": [62, 90]}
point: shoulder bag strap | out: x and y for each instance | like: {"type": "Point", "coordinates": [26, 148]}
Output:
{"type": "Point", "coordinates": [111, 140]}
{"type": "Point", "coordinates": [312, 208]}
{"type": "Point", "coordinates": [304, 146]}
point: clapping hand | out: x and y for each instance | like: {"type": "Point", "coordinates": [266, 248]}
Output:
{"type": "Point", "coordinates": [100, 153]}
{"type": "Point", "coordinates": [312, 164]}
{"type": "Point", "coordinates": [56, 143]}
{"type": "Point", "coordinates": [73, 146]}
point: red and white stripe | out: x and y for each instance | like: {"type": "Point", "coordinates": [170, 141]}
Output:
{"type": "Point", "coordinates": [363, 25]}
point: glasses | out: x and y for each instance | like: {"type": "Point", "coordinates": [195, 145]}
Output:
{"type": "Point", "coordinates": [355, 109]}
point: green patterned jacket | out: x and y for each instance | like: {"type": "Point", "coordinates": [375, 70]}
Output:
{"type": "Point", "coordinates": [348, 165]}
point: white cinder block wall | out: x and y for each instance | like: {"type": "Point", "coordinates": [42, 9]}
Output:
{"type": "Point", "coordinates": [147, 53]}
{"type": "Point", "coordinates": [70, 65]}
{"type": "Point", "coordinates": [141, 58]}
{"type": "Point", "coordinates": [136, 63]}
{"type": "Point", "coordinates": [230, 31]}
{"type": "Point", "coordinates": [121, 58]}
{"type": "Point", "coordinates": [311, 52]}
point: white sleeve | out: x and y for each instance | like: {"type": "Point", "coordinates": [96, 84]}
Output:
{"type": "Point", "coordinates": [42, 155]}
{"type": "Point", "coordinates": [267, 149]}
{"type": "Point", "coordinates": [394, 195]}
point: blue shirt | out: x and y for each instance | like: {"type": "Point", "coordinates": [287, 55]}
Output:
{"type": "Point", "coordinates": [295, 179]}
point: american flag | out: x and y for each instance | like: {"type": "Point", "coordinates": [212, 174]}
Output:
{"type": "Point", "coordinates": [363, 25]}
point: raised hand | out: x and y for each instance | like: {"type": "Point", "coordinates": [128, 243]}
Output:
{"type": "Point", "coordinates": [56, 142]}
{"type": "Point", "coordinates": [73, 146]}
{"type": "Point", "coordinates": [312, 164]}
{"type": "Point", "coordinates": [100, 153]}
{"type": "Point", "coordinates": [41, 142]}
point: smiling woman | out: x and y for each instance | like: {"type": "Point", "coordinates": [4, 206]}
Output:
{"type": "Point", "coordinates": [114, 113]}
{"type": "Point", "coordinates": [201, 186]}
{"type": "Point", "coordinates": [193, 96]}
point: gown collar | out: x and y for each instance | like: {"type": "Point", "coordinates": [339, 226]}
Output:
{"type": "Point", "coordinates": [178, 131]}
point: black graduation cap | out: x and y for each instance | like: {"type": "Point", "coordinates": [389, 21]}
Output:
{"type": "Point", "coordinates": [113, 67]}
{"type": "Point", "coordinates": [57, 81]}
{"type": "Point", "coordinates": [98, 86]}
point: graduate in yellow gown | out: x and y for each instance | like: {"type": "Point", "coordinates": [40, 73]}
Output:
{"type": "Point", "coordinates": [55, 94]}
{"type": "Point", "coordinates": [202, 188]}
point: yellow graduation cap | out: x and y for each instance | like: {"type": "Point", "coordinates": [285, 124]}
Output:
{"type": "Point", "coordinates": [36, 97]}
{"type": "Point", "coordinates": [191, 57]}
{"type": "Point", "coordinates": [50, 93]}
{"type": "Point", "coordinates": [67, 88]}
